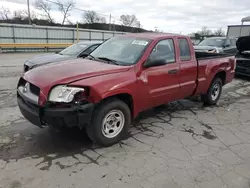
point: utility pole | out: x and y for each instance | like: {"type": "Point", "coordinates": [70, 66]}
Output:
{"type": "Point", "coordinates": [110, 22]}
{"type": "Point", "coordinates": [28, 4]}
{"type": "Point", "coordinates": [77, 31]}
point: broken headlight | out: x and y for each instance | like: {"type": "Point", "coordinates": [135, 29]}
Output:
{"type": "Point", "coordinates": [62, 93]}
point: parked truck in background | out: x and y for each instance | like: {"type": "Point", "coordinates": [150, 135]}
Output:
{"type": "Point", "coordinates": [243, 56]}
{"type": "Point", "coordinates": [124, 76]}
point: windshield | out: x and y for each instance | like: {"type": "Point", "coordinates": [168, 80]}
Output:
{"type": "Point", "coordinates": [123, 50]}
{"type": "Point", "coordinates": [74, 49]}
{"type": "Point", "coordinates": [212, 42]}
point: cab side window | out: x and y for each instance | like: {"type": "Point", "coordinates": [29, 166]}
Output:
{"type": "Point", "coordinates": [185, 54]}
{"type": "Point", "coordinates": [164, 49]}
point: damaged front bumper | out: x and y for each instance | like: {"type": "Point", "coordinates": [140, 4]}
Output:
{"type": "Point", "coordinates": [73, 116]}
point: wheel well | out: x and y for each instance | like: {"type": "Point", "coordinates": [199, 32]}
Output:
{"type": "Point", "coordinates": [222, 76]}
{"type": "Point", "coordinates": [126, 98]}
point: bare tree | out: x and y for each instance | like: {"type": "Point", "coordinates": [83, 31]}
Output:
{"type": "Point", "coordinates": [205, 31]}
{"type": "Point", "coordinates": [219, 32]}
{"type": "Point", "coordinates": [91, 17]}
{"type": "Point", "coordinates": [45, 7]}
{"type": "Point", "coordinates": [65, 9]}
{"type": "Point", "coordinates": [5, 13]}
{"type": "Point", "coordinates": [129, 20]}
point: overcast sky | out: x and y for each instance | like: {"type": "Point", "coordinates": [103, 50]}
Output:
{"type": "Point", "coordinates": [176, 16]}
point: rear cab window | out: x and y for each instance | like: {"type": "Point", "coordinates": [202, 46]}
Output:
{"type": "Point", "coordinates": [185, 54]}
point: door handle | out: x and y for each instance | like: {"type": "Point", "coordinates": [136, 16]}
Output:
{"type": "Point", "coordinates": [174, 71]}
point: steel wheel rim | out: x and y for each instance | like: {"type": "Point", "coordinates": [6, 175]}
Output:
{"type": "Point", "coordinates": [215, 91]}
{"type": "Point", "coordinates": [113, 123]}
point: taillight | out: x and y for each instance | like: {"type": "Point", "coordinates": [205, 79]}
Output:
{"type": "Point", "coordinates": [234, 64]}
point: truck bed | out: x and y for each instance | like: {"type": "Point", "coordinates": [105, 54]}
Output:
{"type": "Point", "coordinates": [206, 55]}
{"type": "Point", "coordinates": [208, 64]}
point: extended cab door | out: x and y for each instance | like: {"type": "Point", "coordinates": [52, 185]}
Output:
{"type": "Point", "coordinates": [188, 67]}
{"type": "Point", "coordinates": [161, 82]}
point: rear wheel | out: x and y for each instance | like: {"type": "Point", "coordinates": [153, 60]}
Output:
{"type": "Point", "coordinates": [110, 122]}
{"type": "Point", "coordinates": [214, 92]}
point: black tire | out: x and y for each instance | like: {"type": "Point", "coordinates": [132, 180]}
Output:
{"type": "Point", "coordinates": [94, 129]}
{"type": "Point", "coordinates": [208, 98]}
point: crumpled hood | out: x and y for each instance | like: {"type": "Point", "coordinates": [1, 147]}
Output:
{"type": "Point", "coordinates": [69, 71]}
{"type": "Point", "coordinates": [243, 44]}
{"type": "Point", "coordinates": [47, 58]}
{"type": "Point", "coordinates": [206, 48]}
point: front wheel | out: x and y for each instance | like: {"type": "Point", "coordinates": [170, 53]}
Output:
{"type": "Point", "coordinates": [214, 92]}
{"type": "Point", "coordinates": [110, 122]}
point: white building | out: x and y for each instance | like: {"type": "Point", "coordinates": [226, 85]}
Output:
{"type": "Point", "coordinates": [239, 30]}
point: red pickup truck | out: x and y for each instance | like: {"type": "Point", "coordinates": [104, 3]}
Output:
{"type": "Point", "coordinates": [124, 76]}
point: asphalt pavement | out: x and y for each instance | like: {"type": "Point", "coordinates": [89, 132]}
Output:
{"type": "Point", "coordinates": [180, 145]}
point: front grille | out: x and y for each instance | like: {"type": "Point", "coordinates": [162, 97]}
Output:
{"type": "Point", "coordinates": [32, 106]}
{"type": "Point", "coordinates": [34, 89]}
{"type": "Point", "coordinates": [243, 63]}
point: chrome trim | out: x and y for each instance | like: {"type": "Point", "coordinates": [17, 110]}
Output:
{"type": "Point", "coordinates": [25, 93]}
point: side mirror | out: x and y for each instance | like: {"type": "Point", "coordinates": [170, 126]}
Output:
{"type": "Point", "coordinates": [154, 62]}
{"type": "Point", "coordinates": [57, 52]}
{"type": "Point", "coordinates": [226, 45]}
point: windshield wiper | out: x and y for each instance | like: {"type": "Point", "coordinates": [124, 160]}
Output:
{"type": "Point", "coordinates": [109, 60]}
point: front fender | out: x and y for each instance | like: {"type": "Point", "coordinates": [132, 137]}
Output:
{"type": "Point", "coordinates": [116, 92]}
{"type": "Point", "coordinates": [104, 86]}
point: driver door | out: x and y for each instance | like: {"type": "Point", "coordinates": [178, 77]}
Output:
{"type": "Point", "coordinates": [162, 82]}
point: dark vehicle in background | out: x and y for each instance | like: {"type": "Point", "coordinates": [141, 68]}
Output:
{"type": "Point", "coordinates": [78, 50]}
{"type": "Point", "coordinates": [243, 56]}
{"type": "Point", "coordinates": [217, 45]}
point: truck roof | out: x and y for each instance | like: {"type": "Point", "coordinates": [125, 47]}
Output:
{"type": "Point", "coordinates": [152, 35]}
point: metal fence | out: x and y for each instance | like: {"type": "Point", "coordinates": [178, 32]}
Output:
{"type": "Point", "coordinates": [14, 37]}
